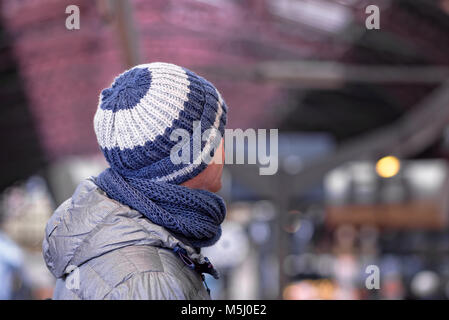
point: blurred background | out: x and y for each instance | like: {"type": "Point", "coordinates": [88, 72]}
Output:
{"type": "Point", "coordinates": [363, 119]}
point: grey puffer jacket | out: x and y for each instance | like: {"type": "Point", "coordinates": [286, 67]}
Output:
{"type": "Point", "coordinates": [98, 248]}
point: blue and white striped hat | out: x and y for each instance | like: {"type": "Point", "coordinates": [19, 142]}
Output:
{"type": "Point", "coordinates": [138, 113]}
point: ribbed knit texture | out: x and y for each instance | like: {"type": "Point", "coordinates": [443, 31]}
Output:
{"type": "Point", "coordinates": [133, 124]}
{"type": "Point", "coordinates": [191, 213]}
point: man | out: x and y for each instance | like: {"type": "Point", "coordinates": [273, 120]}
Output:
{"type": "Point", "coordinates": [135, 231]}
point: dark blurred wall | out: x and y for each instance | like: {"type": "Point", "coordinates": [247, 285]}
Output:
{"type": "Point", "coordinates": [21, 153]}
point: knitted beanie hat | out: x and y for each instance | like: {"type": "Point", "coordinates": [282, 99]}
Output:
{"type": "Point", "coordinates": [141, 109]}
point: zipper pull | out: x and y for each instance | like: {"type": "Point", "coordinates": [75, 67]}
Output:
{"type": "Point", "coordinates": [205, 283]}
